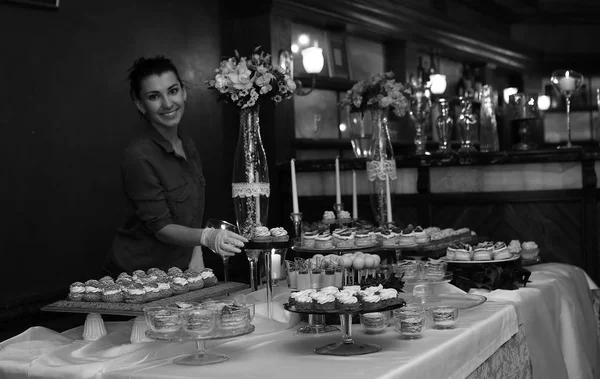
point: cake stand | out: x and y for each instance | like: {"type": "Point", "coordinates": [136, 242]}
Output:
{"type": "Point", "coordinates": [347, 346]}
{"type": "Point", "coordinates": [200, 357]}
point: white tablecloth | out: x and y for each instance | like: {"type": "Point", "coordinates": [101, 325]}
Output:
{"type": "Point", "coordinates": [554, 310]}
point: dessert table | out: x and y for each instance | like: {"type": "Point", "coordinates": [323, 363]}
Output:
{"type": "Point", "coordinates": [546, 330]}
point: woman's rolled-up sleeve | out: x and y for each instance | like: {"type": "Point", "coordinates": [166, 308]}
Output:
{"type": "Point", "coordinates": [144, 189]}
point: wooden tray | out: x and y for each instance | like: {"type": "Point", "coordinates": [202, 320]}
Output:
{"type": "Point", "coordinates": [128, 309]}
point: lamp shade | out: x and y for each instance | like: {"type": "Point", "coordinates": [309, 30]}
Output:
{"type": "Point", "coordinates": [438, 83]}
{"type": "Point", "coordinates": [312, 60]}
{"type": "Point", "coordinates": [509, 91]}
{"type": "Point", "coordinates": [543, 102]}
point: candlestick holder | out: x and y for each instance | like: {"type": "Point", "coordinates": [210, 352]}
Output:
{"type": "Point", "coordinates": [337, 208]}
{"type": "Point", "coordinates": [297, 221]}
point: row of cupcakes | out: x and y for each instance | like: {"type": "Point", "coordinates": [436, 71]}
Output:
{"type": "Point", "coordinates": [343, 217]}
{"type": "Point", "coordinates": [348, 299]}
{"type": "Point", "coordinates": [141, 286]}
{"type": "Point", "coordinates": [263, 234]}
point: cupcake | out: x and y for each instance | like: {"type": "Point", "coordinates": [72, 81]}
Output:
{"type": "Point", "coordinates": [93, 292]}
{"type": "Point", "coordinates": [174, 270]}
{"type": "Point", "coordinates": [514, 247]}
{"type": "Point", "coordinates": [501, 251]}
{"type": "Point", "coordinates": [389, 238]}
{"type": "Point", "coordinates": [344, 239]}
{"type": "Point", "coordinates": [347, 303]}
{"type": "Point", "coordinates": [138, 275]}
{"type": "Point", "coordinates": [363, 237]}
{"type": "Point", "coordinates": [279, 234]}
{"type": "Point", "coordinates": [208, 277]}
{"type": "Point", "coordinates": [324, 302]}
{"type": "Point", "coordinates": [530, 250]}
{"type": "Point", "coordinates": [420, 236]}
{"type": "Point", "coordinates": [304, 303]}
{"type": "Point", "coordinates": [194, 279]}
{"type": "Point", "coordinates": [76, 291]}
{"type": "Point", "coordinates": [328, 217]}
{"type": "Point", "coordinates": [112, 294]}
{"type": "Point", "coordinates": [324, 241]}
{"type": "Point", "coordinates": [261, 234]}
{"type": "Point", "coordinates": [164, 287]}
{"type": "Point", "coordinates": [106, 280]}
{"type": "Point", "coordinates": [134, 293]}
{"type": "Point", "coordinates": [344, 217]}
{"type": "Point", "coordinates": [152, 291]}
{"type": "Point", "coordinates": [179, 284]}
{"type": "Point", "coordinates": [388, 296]}
{"type": "Point", "coordinates": [482, 252]}
{"type": "Point", "coordinates": [370, 301]}
{"type": "Point", "coordinates": [407, 236]}
{"type": "Point", "coordinates": [308, 239]}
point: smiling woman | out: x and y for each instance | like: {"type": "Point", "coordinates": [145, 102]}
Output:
{"type": "Point", "coordinates": [163, 182]}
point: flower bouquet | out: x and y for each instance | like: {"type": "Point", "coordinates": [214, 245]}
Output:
{"type": "Point", "coordinates": [244, 80]}
{"type": "Point", "coordinates": [381, 92]}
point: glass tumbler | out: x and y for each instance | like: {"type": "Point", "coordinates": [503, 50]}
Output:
{"type": "Point", "coordinates": [410, 321]}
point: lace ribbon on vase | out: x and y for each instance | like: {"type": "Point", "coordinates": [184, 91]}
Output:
{"type": "Point", "coordinates": [382, 169]}
{"type": "Point", "coordinates": [250, 189]}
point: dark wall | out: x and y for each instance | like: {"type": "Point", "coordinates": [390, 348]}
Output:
{"type": "Point", "coordinates": [66, 118]}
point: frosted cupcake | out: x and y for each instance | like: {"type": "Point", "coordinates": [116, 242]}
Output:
{"type": "Point", "coordinates": [194, 279]}
{"type": "Point", "coordinates": [530, 250]}
{"type": "Point", "coordinates": [328, 217]}
{"type": "Point", "coordinates": [208, 277]}
{"type": "Point", "coordinates": [344, 217]}
{"type": "Point", "coordinates": [93, 292]}
{"type": "Point", "coordinates": [76, 291]}
{"type": "Point", "coordinates": [324, 302]}
{"type": "Point", "coordinates": [370, 301]}
{"type": "Point", "coordinates": [111, 293]}
{"type": "Point", "coordinates": [179, 284]}
{"type": "Point", "coordinates": [514, 247]}
{"type": "Point", "coordinates": [347, 303]}
{"type": "Point", "coordinates": [304, 303]}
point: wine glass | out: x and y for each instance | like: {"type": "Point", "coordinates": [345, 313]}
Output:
{"type": "Point", "coordinates": [567, 82]}
{"type": "Point", "coordinates": [220, 224]}
{"type": "Point", "coordinates": [524, 114]}
{"type": "Point", "coordinates": [420, 106]}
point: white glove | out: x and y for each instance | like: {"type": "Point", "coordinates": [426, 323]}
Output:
{"type": "Point", "coordinates": [222, 241]}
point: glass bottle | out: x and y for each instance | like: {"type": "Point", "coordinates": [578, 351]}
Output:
{"type": "Point", "coordinates": [467, 126]}
{"type": "Point", "coordinates": [443, 125]}
{"type": "Point", "coordinates": [488, 126]}
{"type": "Point", "coordinates": [421, 74]}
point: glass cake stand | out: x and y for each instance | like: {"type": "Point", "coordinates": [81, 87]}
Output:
{"type": "Point", "coordinates": [347, 346]}
{"type": "Point", "coordinates": [200, 357]}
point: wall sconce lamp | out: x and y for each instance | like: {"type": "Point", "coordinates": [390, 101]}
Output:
{"type": "Point", "coordinates": [312, 61]}
{"type": "Point", "coordinates": [438, 84]}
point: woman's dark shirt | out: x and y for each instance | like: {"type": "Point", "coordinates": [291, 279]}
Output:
{"type": "Point", "coordinates": [162, 188]}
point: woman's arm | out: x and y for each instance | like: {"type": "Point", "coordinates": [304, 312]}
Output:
{"type": "Point", "coordinates": [221, 241]}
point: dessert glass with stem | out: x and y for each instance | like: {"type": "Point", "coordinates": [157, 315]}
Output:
{"type": "Point", "coordinates": [420, 106]}
{"type": "Point", "coordinates": [220, 224]}
{"type": "Point", "coordinates": [567, 83]}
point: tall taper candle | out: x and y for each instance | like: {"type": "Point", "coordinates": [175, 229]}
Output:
{"type": "Point", "coordinates": [338, 191]}
{"type": "Point", "coordinates": [388, 199]}
{"type": "Point", "coordinates": [294, 187]}
{"type": "Point", "coordinates": [354, 199]}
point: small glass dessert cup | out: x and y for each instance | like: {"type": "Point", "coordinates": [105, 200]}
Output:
{"type": "Point", "coordinates": [409, 321]}
{"type": "Point", "coordinates": [199, 322]}
{"type": "Point", "coordinates": [163, 321]}
{"type": "Point", "coordinates": [411, 269]}
{"type": "Point", "coordinates": [435, 269]}
{"type": "Point", "coordinates": [375, 322]}
{"type": "Point", "coordinates": [443, 317]}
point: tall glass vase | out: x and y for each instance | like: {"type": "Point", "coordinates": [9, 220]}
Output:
{"type": "Point", "coordinates": [381, 170]}
{"type": "Point", "coordinates": [250, 183]}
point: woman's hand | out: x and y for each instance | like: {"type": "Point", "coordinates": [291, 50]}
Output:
{"type": "Point", "coordinates": [197, 261]}
{"type": "Point", "coordinates": [222, 241]}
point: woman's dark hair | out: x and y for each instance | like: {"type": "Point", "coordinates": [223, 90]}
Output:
{"type": "Point", "coordinates": [144, 67]}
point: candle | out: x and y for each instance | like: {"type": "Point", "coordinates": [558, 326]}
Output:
{"type": "Point", "coordinates": [354, 199]}
{"type": "Point", "coordinates": [275, 266]}
{"type": "Point", "coordinates": [566, 84]}
{"type": "Point", "coordinates": [388, 199]}
{"type": "Point", "coordinates": [294, 187]}
{"type": "Point", "coordinates": [338, 191]}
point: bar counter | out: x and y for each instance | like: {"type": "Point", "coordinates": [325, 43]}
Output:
{"type": "Point", "coordinates": [548, 196]}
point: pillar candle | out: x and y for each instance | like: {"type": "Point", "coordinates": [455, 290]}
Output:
{"type": "Point", "coordinates": [354, 199]}
{"type": "Point", "coordinates": [296, 209]}
{"type": "Point", "coordinates": [388, 199]}
{"type": "Point", "coordinates": [566, 84]}
{"type": "Point", "coordinates": [338, 191]}
{"type": "Point", "coordinates": [275, 266]}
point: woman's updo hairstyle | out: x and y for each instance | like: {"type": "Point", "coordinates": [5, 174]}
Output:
{"type": "Point", "coordinates": [144, 67]}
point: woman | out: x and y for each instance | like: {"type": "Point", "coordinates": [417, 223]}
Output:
{"type": "Point", "coordinates": [163, 182]}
